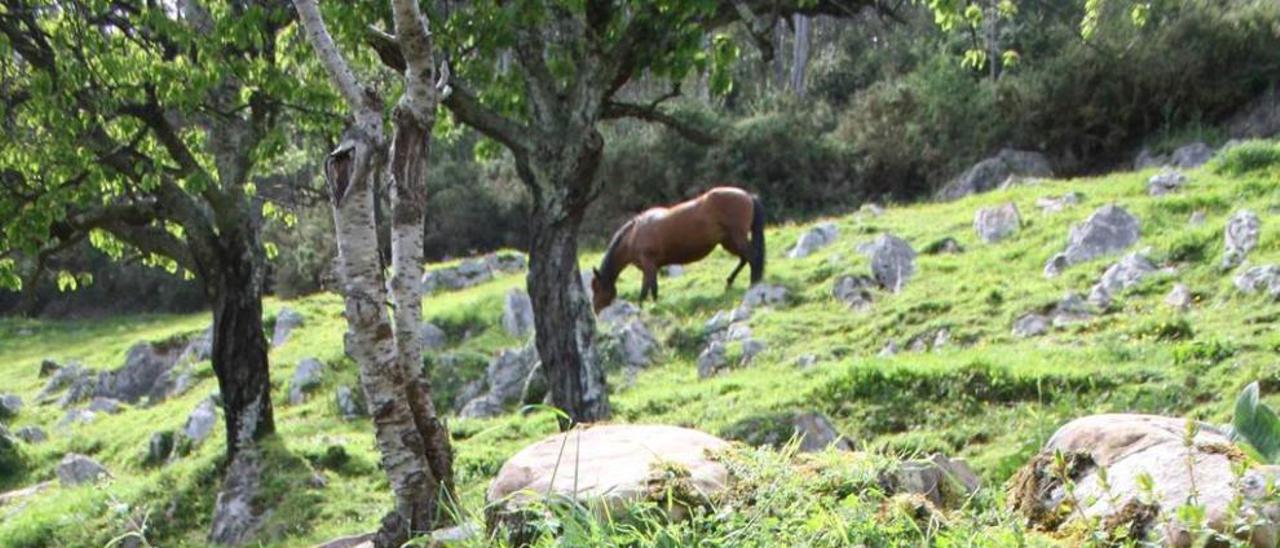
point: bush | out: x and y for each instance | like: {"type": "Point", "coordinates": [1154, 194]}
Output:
{"type": "Point", "coordinates": [1247, 157]}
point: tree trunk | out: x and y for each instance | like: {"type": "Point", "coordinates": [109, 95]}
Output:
{"type": "Point", "coordinates": [240, 348]}
{"type": "Point", "coordinates": [800, 53]}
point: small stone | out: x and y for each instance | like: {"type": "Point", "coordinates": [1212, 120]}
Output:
{"type": "Point", "coordinates": [306, 377]}
{"type": "Point", "coordinates": [805, 361]}
{"type": "Point", "coordinates": [712, 360]}
{"type": "Point", "coordinates": [997, 223]}
{"type": "Point", "coordinates": [1179, 297]}
{"type": "Point", "coordinates": [814, 239]}
{"type": "Point", "coordinates": [77, 416]}
{"type": "Point", "coordinates": [1131, 270]}
{"type": "Point", "coordinates": [1054, 204]}
{"type": "Point", "coordinates": [350, 405]}
{"type": "Point", "coordinates": [871, 208]}
{"type": "Point", "coordinates": [433, 338]}
{"type": "Point", "coordinates": [1260, 279]}
{"type": "Point", "coordinates": [1108, 230]}
{"type": "Point", "coordinates": [1072, 309]}
{"type": "Point", "coordinates": [201, 421]}
{"type": "Point", "coordinates": [100, 404]}
{"type": "Point", "coordinates": [764, 295]}
{"type": "Point", "coordinates": [76, 469]}
{"type": "Point", "coordinates": [1192, 155]}
{"type": "Point", "coordinates": [854, 291]}
{"type": "Point", "coordinates": [1030, 325]}
{"type": "Point", "coordinates": [1165, 182]}
{"type": "Point", "coordinates": [517, 313]}
{"type": "Point", "coordinates": [31, 434]}
{"type": "Point", "coordinates": [738, 332]}
{"type": "Point", "coordinates": [890, 349]}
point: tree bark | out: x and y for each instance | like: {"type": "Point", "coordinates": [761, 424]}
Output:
{"type": "Point", "coordinates": [800, 53]}
{"type": "Point", "coordinates": [240, 347]}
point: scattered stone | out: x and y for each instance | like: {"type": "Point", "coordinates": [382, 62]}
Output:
{"type": "Point", "coordinates": [237, 512]}
{"type": "Point", "coordinates": [481, 407]}
{"type": "Point", "coordinates": [625, 336]}
{"type": "Point", "coordinates": [1137, 449]}
{"type": "Point", "coordinates": [890, 349]}
{"type": "Point", "coordinates": [893, 262]}
{"type": "Point", "coordinates": [813, 429]}
{"type": "Point", "coordinates": [997, 223]}
{"type": "Point", "coordinates": [738, 332]}
{"type": "Point", "coordinates": [76, 469]}
{"type": "Point", "coordinates": [517, 313]}
{"type": "Point", "coordinates": [992, 172]}
{"type": "Point", "coordinates": [1147, 160]}
{"type": "Point", "coordinates": [764, 295]}
{"type": "Point", "coordinates": [1196, 218]}
{"type": "Point", "coordinates": [1030, 325]}
{"type": "Point", "coordinates": [473, 271]}
{"type": "Point", "coordinates": [306, 377]}
{"type": "Point", "coordinates": [1055, 204]}
{"type": "Point", "coordinates": [1165, 182]}
{"type": "Point", "coordinates": [201, 421]}
{"type": "Point", "coordinates": [75, 380]}
{"type": "Point", "coordinates": [287, 320]}
{"type": "Point", "coordinates": [1108, 230]}
{"type": "Point", "coordinates": [806, 361]}
{"type": "Point", "coordinates": [1241, 237]}
{"type": "Point", "coordinates": [10, 405]}
{"type": "Point", "coordinates": [943, 481]}
{"type": "Point", "coordinates": [1191, 156]}
{"type": "Point", "coordinates": [854, 291]}
{"type": "Point", "coordinates": [945, 246]}
{"type": "Point", "coordinates": [505, 377]}
{"type": "Point", "coordinates": [673, 271]}
{"type": "Point", "coordinates": [110, 406]}
{"type": "Point", "coordinates": [1119, 277]}
{"type": "Point", "coordinates": [433, 338]}
{"type": "Point", "coordinates": [1179, 297]}
{"type": "Point", "coordinates": [145, 372]}
{"type": "Point", "coordinates": [31, 434]}
{"type": "Point", "coordinates": [160, 447]}
{"type": "Point", "coordinates": [1072, 309]}
{"type": "Point", "coordinates": [77, 416]}
{"type": "Point", "coordinates": [350, 404]}
{"type": "Point", "coordinates": [48, 367]}
{"type": "Point", "coordinates": [750, 348]}
{"type": "Point", "coordinates": [1258, 279]}
{"type": "Point", "coordinates": [616, 465]}
{"type": "Point", "coordinates": [929, 339]}
{"type": "Point", "coordinates": [199, 349]}
{"type": "Point", "coordinates": [712, 359]}
{"type": "Point", "coordinates": [814, 239]}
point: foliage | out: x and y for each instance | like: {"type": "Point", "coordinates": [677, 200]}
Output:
{"type": "Point", "coordinates": [1256, 423]}
{"type": "Point", "coordinates": [1248, 157]}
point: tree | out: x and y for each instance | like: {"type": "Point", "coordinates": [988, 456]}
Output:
{"type": "Point", "coordinates": [416, 454]}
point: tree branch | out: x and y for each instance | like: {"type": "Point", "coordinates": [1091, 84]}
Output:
{"type": "Point", "coordinates": [651, 113]}
{"type": "Point", "coordinates": [469, 110]}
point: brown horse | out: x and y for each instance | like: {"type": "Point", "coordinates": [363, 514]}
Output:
{"type": "Point", "coordinates": [681, 234]}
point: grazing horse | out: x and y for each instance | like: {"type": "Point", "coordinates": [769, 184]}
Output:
{"type": "Point", "coordinates": [681, 234]}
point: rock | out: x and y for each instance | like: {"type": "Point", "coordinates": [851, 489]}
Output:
{"type": "Point", "coordinates": [31, 434]}
{"type": "Point", "coordinates": [813, 239]}
{"type": "Point", "coordinates": [287, 320]}
{"type": "Point", "coordinates": [1196, 218]}
{"type": "Point", "coordinates": [48, 367]}
{"type": "Point", "coordinates": [76, 469]}
{"type": "Point", "coordinates": [929, 339]}
{"type": "Point", "coordinates": [1258, 279]}
{"type": "Point", "coordinates": [160, 447]}
{"type": "Point", "coordinates": [505, 376]}
{"type": "Point", "coordinates": [350, 404]}
{"type": "Point", "coordinates": [237, 512]}
{"type": "Point", "coordinates": [1191, 156]}
{"type": "Point", "coordinates": [10, 405]}
{"type": "Point", "coordinates": [813, 429]}
{"type": "Point", "coordinates": [75, 380]}
{"type": "Point", "coordinates": [354, 541]}
{"type": "Point", "coordinates": [471, 272]}
{"type": "Point", "coordinates": [517, 313]}
{"type": "Point", "coordinates": [673, 271]}
{"type": "Point", "coordinates": [997, 223]}
{"type": "Point", "coordinates": [1072, 309]}
{"type": "Point", "coordinates": [750, 348]}
{"type": "Point", "coordinates": [618, 313]}
{"type": "Point", "coordinates": [535, 389]}
{"type": "Point", "coordinates": [638, 344]}
{"type": "Point", "coordinates": [763, 294]}
{"type": "Point", "coordinates": [871, 208]}
{"type": "Point", "coordinates": [10, 497]}
{"type": "Point", "coordinates": [1241, 237]}
{"type": "Point", "coordinates": [854, 291]}
{"type": "Point", "coordinates": [893, 262]}
{"type": "Point", "coordinates": [110, 406]}
{"type": "Point", "coordinates": [1108, 230]}
{"type": "Point", "coordinates": [145, 372]}
{"type": "Point", "coordinates": [77, 416]}
{"type": "Point", "coordinates": [1258, 119]}
{"type": "Point", "coordinates": [945, 246]}
{"type": "Point", "coordinates": [712, 359]}
{"type": "Point", "coordinates": [615, 465]}
{"type": "Point", "coordinates": [481, 407]}
{"type": "Point", "coordinates": [1179, 297]}
{"type": "Point", "coordinates": [1119, 277]}
{"type": "Point", "coordinates": [890, 349]}
{"type": "Point", "coordinates": [718, 322]}
{"type": "Point", "coordinates": [943, 481]}
{"type": "Point", "coordinates": [1134, 449]}
{"type": "Point", "coordinates": [1165, 182]}
{"type": "Point", "coordinates": [1146, 159]}
{"type": "Point", "coordinates": [433, 338]}
{"type": "Point", "coordinates": [306, 377]}
{"type": "Point", "coordinates": [992, 172]}
{"type": "Point", "coordinates": [1030, 325]}
{"type": "Point", "coordinates": [458, 534]}
{"type": "Point", "coordinates": [199, 348]}
{"type": "Point", "coordinates": [805, 361]}
{"type": "Point", "coordinates": [738, 332]}
{"type": "Point", "coordinates": [201, 421]}
{"type": "Point", "coordinates": [1054, 204]}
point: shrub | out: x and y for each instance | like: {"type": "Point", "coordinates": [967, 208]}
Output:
{"type": "Point", "coordinates": [1247, 157]}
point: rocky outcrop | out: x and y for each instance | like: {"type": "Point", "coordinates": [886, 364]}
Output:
{"type": "Point", "coordinates": [712, 359]}
{"type": "Point", "coordinates": [856, 292]}
{"type": "Point", "coordinates": [997, 223]}
{"type": "Point", "coordinates": [1191, 155]}
{"type": "Point", "coordinates": [517, 313]}
{"type": "Point", "coordinates": [1241, 236]}
{"type": "Point", "coordinates": [145, 372]}
{"type": "Point", "coordinates": [814, 239]}
{"type": "Point", "coordinates": [991, 173]}
{"type": "Point", "coordinates": [624, 336]}
{"type": "Point", "coordinates": [201, 421]}
{"type": "Point", "coordinates": [238, 512]}
{"type": "Point", "coordinates": [1110, 229]}
{"type": "Point", "coordinates": [473, 271]}
{"type": "Point", "coordinates": [77, 382]}
{"type": "Point", "coordinates": [1030, 325]}
{"type": "Point", "coordinates": [1260, 279]}
{"type": "Point", "coordinates": [505, 378]}
{"type": "Point", "coordinates": [1126, 273]}
{"type": "Point", "coordinates": [10, 405]}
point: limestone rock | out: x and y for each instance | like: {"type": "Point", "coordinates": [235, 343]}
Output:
{"type": "Point", "coordinates": [1030, 325]}
{"type": "Point", "coordinates": [110, 406]}
{"type": "Point", "coordinates": [287, 320]}
{"type": "Point", "coordinates": [433, 338]}
{"type": "Point", "coordinates": [237, 512]}
{"type": "Point", "coordinates": [712, 359]}
{"type": "Point", "coordinates": [813, 429]}
{"type": "Point", "coordinates": [350, 403]}
{"type": "Point", "coordinates": [201, 421]}
{"type": "Point", "coordinates": [764, 295]}
{"type": "Point", "coordinates": [1146, 159]}
{"type": "Point", "coordinates": [48, 367]}
{"type": "Point", "coordinates": [1108, 230]}
{"type": "Point", "coordinates": [814, 239]}
{"type": "Point", "coordinates": [517, 313]}
{"type": "Point", "coordinates": [1055, 204]}
{"type": "Point", "coordinates": [997, 223]}
{"type": "Point", "coordinates": [1260, 279]}
{"type": "Point", "coordinates": [1241, 237]}
{"type": "Point", "coordinates": [992, 172]}
{"type": "Point", "coordinates": [1126, 273]}
{"type": "Point", "coordinates": [1179, 297]}
{"type": "Point", "coordinates": [76, 469]}
{"type": "Point", "coordinates": [943, 481]}
{"type": "Point", "coordinates": [73, 378]}
{"type": "Point", "coordinates": [160, 447]}
{"type": "Point", "coordinates": [10, 405]}
{"type": "Point", "coordinates": [1191, 155]}
{"type": "Point", "coordinates": [31, 434]}
{"type": "Point", "coordinates": [893, 262]}
{"type": "Point", "coordinates": [856, 292]}
{"type": "Point", "coordinates": [1165, 182]}
{"type": "Point", "coordinates": [306, 377]}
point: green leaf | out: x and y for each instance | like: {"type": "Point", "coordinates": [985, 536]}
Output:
{"type": "Point", "coordinates": [1257, 424]}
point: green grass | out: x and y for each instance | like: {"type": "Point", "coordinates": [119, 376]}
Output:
{"type": "Point", "coordinates": [987, 396]}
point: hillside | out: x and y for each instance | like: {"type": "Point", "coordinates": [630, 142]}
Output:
{"type": "Point", "coordinates": [980, 392]}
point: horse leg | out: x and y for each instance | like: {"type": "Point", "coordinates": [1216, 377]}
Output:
{"type": "Point", "coordinates": [737, 245]}
{"type": "Point", "coordinates": [729, 283]}
{"type": "Point", "coordinates": [650, 285]}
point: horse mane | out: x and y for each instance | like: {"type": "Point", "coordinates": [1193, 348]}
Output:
{"type": "Point", "coordinates": [608, 264]}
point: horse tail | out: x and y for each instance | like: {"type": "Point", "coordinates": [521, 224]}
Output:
{"type": "Point", "coordinates": [757, 239]}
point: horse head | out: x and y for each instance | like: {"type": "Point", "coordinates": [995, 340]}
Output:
{"type": "Point", "coordinates": [602, 292]}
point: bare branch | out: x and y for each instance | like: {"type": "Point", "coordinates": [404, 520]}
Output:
{"type": "Point", "coordinates": [650, 113]}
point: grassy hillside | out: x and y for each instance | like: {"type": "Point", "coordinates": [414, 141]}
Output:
{"type": "Point", "coordinates": [986, 395]}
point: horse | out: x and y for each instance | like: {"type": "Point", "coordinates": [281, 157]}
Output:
{"type": "Point", "coordinates": [682, 234]}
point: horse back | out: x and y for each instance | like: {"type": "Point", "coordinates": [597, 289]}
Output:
{"type": "Point", "coordinates": [690, 230]}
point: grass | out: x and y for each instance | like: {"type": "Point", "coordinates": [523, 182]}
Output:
{"type": "Point", "coordinates": [987, 396]}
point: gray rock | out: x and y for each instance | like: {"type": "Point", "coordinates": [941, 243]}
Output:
{"type": "Point", "coordinates": [145, 372]}
{"type": "Point", "coordinates": [890, 349]}
{"type": "Point", "coordinates": [48, 367]}
{"type": "Point", "coordinates": [505, 377]}
{"type": "Point", "coordinates": [287, 320]}
{"type": "Point", "coordinates": [618, 313]}
{"type": "Point", "coordinates": [1108, 230]}
{"type": "Point", "coordinates": [856, 292]}
{"type": "Point", "coordinates": [945, 482]}
{"type": "Point", "coordinates": [718, 322]}
{"type": "Point", "coordinates": [237, 512]}
{"type": "Point", "coordinates": [160, 447]}
{"type": "Point", "coordinates": [712, 359]}
{"type": "Point", "coordinates": [31, 434]}
{"type": "Point", "coordinates": [481, 407]}
{"type": "Point", "coordinates": [1165, 182]}
{"type": "Point", "coordinates": [805, 361]}
{"type": "Point", "coordinates": [1180, 297]}
{"type": "Point", "coordinates": [199, 349]}
{"type": "Point", "coordinates": [201, 421]}
{"type": "Point", "coordinates": [929, 339]}
{"type": "Point", "coordinates": [638, 343]}
{"type": "Point", "coordinates": [535, 389]}
{"type": "Point", "coordinates": [1030, 325]}
{"type": "Point", "coordinates": [306, 377]}
{"type": "Point", "coordinates": [76, 469]}
{"type": "Point", "coordinates": [1072, 309]}
{"type": "Point", "coordinates": [997, 223]}
{"type": "Point", "coordinates": [750, 349]}
{"type": "Point", "coordinates": [738, 332]}
{"type": "Point", "coordinates": [893, 262]}
{"type": "Point", "coordinates": [993, 172]}
{"type": "Point", "coordinates": [350, 404]}
{"type": "Point", "coordinates": [1192, 155]}
{"type": "Point", "coordinates": [673, 271]}
{"type": "Point", "coordinates": [1241, 237]}
{"type": "Point", "coordinates": [814, 239]}
{"type": "Point", "coordinates": [871, 208]}
{"type": "Point", "coordinates": [110, 406]}
{"type": "Point", "coordinates": [1259, 119]}
{"type": "Point", "coordinates": [517, 313]}
{"type": "Point", "coordinates": [1055, 204]}
{"type": "Point", "coordinates": [764, 295]}
{"type": "Point", "coordinates": [433, 338]}
{"type": "Point", "coordinates": [77, 416]}
{"type": "Point", "coordinates": [1126, 273]}
{"type": "Point", "coordinates": [1196, 218]}
{"type": "Point", "coordinates": [471, 272]}
{"type": "Point", "coordinates": [10, 405]}
{"type": "Point", "coordinates": [1260, 279]}
{"type": "Point", "coordinates": [945, 246]}
{"type": "Point", "coordinates": [813, 430]}
{"type": "Point", "coordinates": [74, 379]}
{"type": "Point", "coordinates": [1146, 159]}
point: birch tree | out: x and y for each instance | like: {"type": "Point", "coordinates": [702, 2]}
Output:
{"type": "Point", "coordinates": [415, 447]}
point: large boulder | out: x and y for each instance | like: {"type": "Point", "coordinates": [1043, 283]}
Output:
{"type": "Point", "coordinates": [625, 336]}
{"type": "Point", "coordinates": [306, 377]}
{"type": "Point", "coordinates": [145, 372]}
{"type": "Point", "coordinates": [856, 292]}
{"type": "Point", "coordinates": [1135, 450]}
{"type": "Point", "coordinates": [893, 262]}
{"type": "Point", "coordinates": [991, 173]}
{"type": "Point", "coordinates": [505, 378]}
{"type": "Point", "coordinates": [10, 405]}
{"type": "Point", "coordinates": [1126, 273]}
{"type": "Point", "coordinates": [814, 239]}
{"type": "Point", "coordinates": [1165, 182]}
{"type": "Point", "coordinates": [614, 466]}
{"type": "Point", "coordinates": [287, 320]}
{"type": "Point", "coordinates": [1260, 279]}
{"type": "Point", "coordinates": [517, 313]}
{"type": "Point", "coordinates": [201, 421]}
{"type": "Point", "coordinates": [1191, 155]}
{"type": "Point", "coordinates": [1241, 237]}
{"type": "Point", "coordinates": [76, 469]}
{"type": "Point", "coordinates": [997, 223]}
{"type": "Point", "coordinates": [1110, 229]}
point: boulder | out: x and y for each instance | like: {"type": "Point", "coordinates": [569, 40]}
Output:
{"type": "Point", "coordinates": [76, 469]}
{"type": "Point", "coordinates": [110, 406]}
{"type": "Point", "coordinates": [712, 359]}
{"type": "Point", "coordinates": [505, 377]}
{"type": "Point", "coordinates": [1108, 230]}
{"type": "Point", "coordinates": [1072, 309]}
{"type": "Point", "coordinates": [306, 377]}
{"type": "Point", "coordinates": [31, 434]}
{"type": "Point", "coordinates": [1165, 182]}
{"type": "Point", "coordinates": [625, 336]}
{"type": "Point", "coordinates": [763, 294]}
{"type": "Point", "coordinates": [945, 482]}
{"type": "Point", "coordinates": [160, 447]}
{"type": "Point", "coordinates": [814, 239]}
{"type": "Point", "coordinates": [613, 466]}
{"type": "Point", "coordinates": [1191, 156]}
{"type": "Point", "coordinates": [1030, 325]}
{"type": "Point", "coordinates": [201, 421]}
{"type": "Point", "coordinates": [517, 313]}
{"type": "Point", "coordinates": [814, 431]}
{"type": "Point", "coordinates": [992, 172]}
{"type": "Point", "coordinates": [893, 262]}
{"type": "Point", "coordinates": [1260, 279]}
{"type": "Point", "coordinates": [1146, 159]}
{"type": "Point", "coordinates": [1241, 237]}
{"type": "Point", "coordinates": [997, 223]}
{"type": "Point", "coordinates": [350, 403]}
{"type": "Point", "coordinates": [1054, 204]}
{"type": "Point", "coordinates": [199, 348]}
{"type": "Point", "coordinates": [48, 367]}
{"type": "Point", "coordinates": [1180, 297]}
{"type": "Point", "coordinates": [10, 405]}
{"type": "Point", "coordinates": [1135, 449]}
{"type": "Point", "coordinates": [854, 291]}
{"type": "Point", "coordinates": [238, 511]}
{"type": "Point", "coordinates": [481, 407]}
{"type": "Point", "coordinates": [73, 378]}
{"type": "Point", "coordinates": [1119, 277]}
{"type": "Point", "coordinates": [145, 372]}
{"type": "Point", "coordinates": [287, 320]}
{"type": "Point", "coordinates": [433, 338]}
